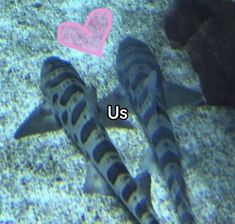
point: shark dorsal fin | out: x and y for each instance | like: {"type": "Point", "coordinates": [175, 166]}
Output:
{"type": "Point", "coordinates": [116, 97]}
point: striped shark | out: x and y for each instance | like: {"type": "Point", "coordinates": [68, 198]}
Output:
{"type": "Point", "coordinates": [70, 104]}
{"type": "Point", "coordinates": [140, 76]}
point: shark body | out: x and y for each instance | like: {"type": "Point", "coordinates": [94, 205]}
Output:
{"type": "Point", "coordinates": [70, 104]}
{"type": "Point", "coordinates": [141, 78]}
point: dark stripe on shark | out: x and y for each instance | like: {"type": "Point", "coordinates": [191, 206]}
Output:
{"type": "Point", "coordinates": [77, 111]}
{"type": "Point", "coordinates": [169, 157]}
{"type": "Point", "coordinates": [178, 197]}
{"type": "Point", "coordinates": [64, 117]}
{"type": "Point", "coordinates": [87, 129]}
{"type": "Point", "coordinates": [142, 97]}
{"type": "Point", "coordinates": [151, 111]}
{"type": "Point", "coordinates": [115, 170]}
{"type": "Point", "coordinates": [141, 208]}
{"type": "Point", "coordinates": [69, 92]}
{"type": "Point", "coordinates": [182, 200]}
{"type": "Point", "coordinates": [56, 80]}
{"type": "Point", "coordinates": [130, 41]}
{"type": "Point", "coordinates": [55, 98]}
{"type": "Point", "coordinates": [57, 119]}
{"type": "Point", "coordinates": [147, 115]}
{"type": "Point", "coordinates": [135, 52]}
{"type": "Point", "coordinates": [132, 45]}
{"type": "Point", "coordinates": [53, 63]}
{"type": "Point", "coordinates": [160, 134]}
{"type": "Point", "coordinates": [141, 61]}
{"type": "Point", "coordinates": [138, 79]}
{"type": "Point", "coordinates": [51, 66]}
{"type": "Point", "coordinates": [137, 49]}
{"type": "Point", "coordinates": [176, 176]}
{"type": "Point", "coordinates": [102, 148]}
{"type": "Point", "coordinates": [128, 190]}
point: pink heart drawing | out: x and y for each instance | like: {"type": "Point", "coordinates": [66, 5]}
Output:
{"type": "Point", "coordinates": [91, 36]}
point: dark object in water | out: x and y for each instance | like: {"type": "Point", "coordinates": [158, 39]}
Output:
{"type": "Point", "coordinates": [208, 31]}
{"type": "Point", "coordinates": [183, 21]}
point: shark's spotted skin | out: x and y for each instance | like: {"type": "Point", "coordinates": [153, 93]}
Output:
{"type": "Point", "coordinates": [140, 75]}
{"type": "Point", "coordinates": [74, 107]}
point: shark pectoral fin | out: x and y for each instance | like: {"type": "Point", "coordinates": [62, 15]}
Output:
{"type": "Point", "coordinates": [101, 108]}
{"type": "Point", "coordinates": [95, 183]}
{"type": "Point", "coordinates": [143, 181]}
{"type": "Point", "coordinates": [116, 97]}
{"type": "Point", "coordinates": [108, 123]}
{"type": "Point", "coordinates": [176, 94]}
{"type": "Point", "coordinates": [41, 120]}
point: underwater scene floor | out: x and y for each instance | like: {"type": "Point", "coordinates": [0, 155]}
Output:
{"type": "Point", "coordinates": [42, 176]}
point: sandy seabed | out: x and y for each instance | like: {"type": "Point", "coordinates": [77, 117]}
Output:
{"type": "Point", "coordinates": [42, 177]}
